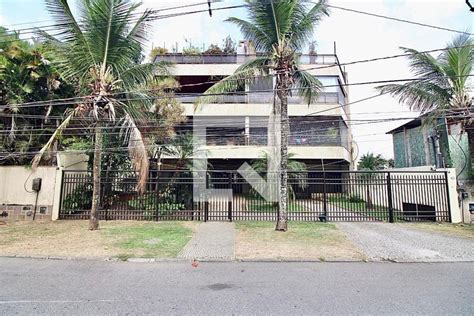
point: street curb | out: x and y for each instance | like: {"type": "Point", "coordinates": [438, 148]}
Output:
{"type": "Point", "coordinates": [260, 260]}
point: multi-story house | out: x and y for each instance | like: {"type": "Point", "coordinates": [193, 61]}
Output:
{"type": "Point", "coordinates": [236, 123]}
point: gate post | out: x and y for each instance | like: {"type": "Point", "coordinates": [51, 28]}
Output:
{"type": "Point", "coordinates": [325, 202]}
{"type": "Point", "coordinates": [229, 203]}
{"type": "Point", "coordinates": [58, 194]}
{"type": "Point", "coordinates": [206, 211]}
{"type": "Point", "coordinates": [390, 201]}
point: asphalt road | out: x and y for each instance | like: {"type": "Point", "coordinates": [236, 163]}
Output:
{"type": "Point", "coordinates": [29, 286]}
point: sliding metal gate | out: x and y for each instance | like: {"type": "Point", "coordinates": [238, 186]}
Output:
{"type": "Point", "coordinates": [313, 196]}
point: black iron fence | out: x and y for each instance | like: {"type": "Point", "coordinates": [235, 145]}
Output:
{"type": "Point", "coordinates": [313, 196]}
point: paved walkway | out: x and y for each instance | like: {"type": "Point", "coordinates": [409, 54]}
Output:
{"type": "Point", "coordinates": [212, 241]}
{"type": "Point", "coordinates": [400, 242]}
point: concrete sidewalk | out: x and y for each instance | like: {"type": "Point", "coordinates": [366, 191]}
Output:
{"type": "Point", "coordinates": [212, 241]}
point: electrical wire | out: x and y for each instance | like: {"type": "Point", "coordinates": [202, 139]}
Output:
{"type": "Point", "coordinates": [399, 20]}
{"type": "Point", "coordinates": [44, 103]}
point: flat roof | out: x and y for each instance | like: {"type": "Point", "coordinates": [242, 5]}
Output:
{"type": "Point", "coordinates": [411, 124]}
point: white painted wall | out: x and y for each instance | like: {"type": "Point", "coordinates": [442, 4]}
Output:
{"type": "Point", "coordinates": [14, 179]}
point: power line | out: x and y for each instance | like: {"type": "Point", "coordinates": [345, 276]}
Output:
{"type": "Point", "coordinates": [400, 20]}
{"type": "Point", "coordinates": [149, 19]}
{"type": "Point", "coordinates": [47, 103]}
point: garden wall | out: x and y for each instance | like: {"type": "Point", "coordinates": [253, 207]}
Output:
{"type": "Point", "coordinates": [17, 199]}
{"type": "Point", "coordinates": [424, 189]}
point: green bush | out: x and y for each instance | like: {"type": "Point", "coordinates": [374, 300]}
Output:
{"type": "Point", "coordinates": [79, 199]}
{"type": "Point", "coordinates": [354, 198]}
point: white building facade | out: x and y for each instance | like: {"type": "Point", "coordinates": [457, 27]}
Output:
{"type": "Point", "coordinates": [236, 123]}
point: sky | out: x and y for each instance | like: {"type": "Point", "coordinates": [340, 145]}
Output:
{"type": "Point", "coordinates": [357, 37]}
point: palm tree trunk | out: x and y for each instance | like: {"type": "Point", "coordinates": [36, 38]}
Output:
{"type": "Point", "coordinates": [96, 171]}
{"type": "Point", "coordinates": [282, 223]}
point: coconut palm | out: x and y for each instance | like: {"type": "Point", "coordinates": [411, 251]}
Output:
{"type": "Point", "coordinates": [100, 51]}
{"type": "Point", "coordinates": [442, 88]}
{"type": "Point", "coordinates": [278, 30]}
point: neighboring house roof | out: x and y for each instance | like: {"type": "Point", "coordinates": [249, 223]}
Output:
{"type": "Point", "coordinates": [411, 124]}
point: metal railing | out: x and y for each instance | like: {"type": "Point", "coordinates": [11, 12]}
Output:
{"type": "Point", "coordinates": [313, 196]}
{"type": "Point", "coordinates": [179, 58]}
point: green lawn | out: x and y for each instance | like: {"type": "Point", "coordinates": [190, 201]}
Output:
{"type": "Point", "coordinates": [150, 240]}
{"type": "Point", "coordinates": [267, 207]}
{"type": "Point", "coordinates": [116, 239]}
{"type": "Point", "coordinates": [358, 206]}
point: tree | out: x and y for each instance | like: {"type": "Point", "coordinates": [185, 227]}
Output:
{"type": "Point", "coordinates": [100, 51]}
{"type": "Point", "coordinates": [26, 75]}
{"type": "Point", "coordinates": [370, 162]}
{"type": "Point", "coordinates": [442, 86]}
{"type": "Point", "coordinates": [156, 51]}
{"type": "Point", "coordinates": [278, 30]}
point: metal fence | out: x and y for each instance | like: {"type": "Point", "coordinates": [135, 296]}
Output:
{"type": "Point", "coordinates": [313, 196]}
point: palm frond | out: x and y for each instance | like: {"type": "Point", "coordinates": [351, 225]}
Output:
{"type": "Point", "coordinates": [305, 22]}
{"type": "Point", "coordinates": [251, 32]}
{"type": "Point", "coordinates": [246, 73]}
{"type": "Point", "coordinates": [79, 56]}
{"type": "Point", "coordinates": [308, 85]}
{"type": "Point", "coordinates": [57, 133]}
{"type": "Point", "coordinates": [137, 151]}
{"type": "Point", "coordinates": [421, 96]}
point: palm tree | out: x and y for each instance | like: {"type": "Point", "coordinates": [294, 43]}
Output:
{"type": "Point", "coordinates": [442, 88]}
{"type": "Point", "coordinates": [100, 51]}
{"type": "Point", "coordinates": [370, 162]}
{"type": "Point", "coordinates": [278, 30]}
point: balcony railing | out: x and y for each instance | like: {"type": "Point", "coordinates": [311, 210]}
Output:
{"type": "Point", "coordinates": [306, 59]}
{"type": "Point", "coordinates": [262, 98]}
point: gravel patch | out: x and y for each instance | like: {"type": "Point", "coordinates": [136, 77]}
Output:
{"type": "Point", "coordinates": [400, 242]}
{"type": "Point", "coordinates": [212, 241]}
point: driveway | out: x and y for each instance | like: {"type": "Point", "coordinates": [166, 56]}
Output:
{"type": "Point", "coordinates": [400, 242]}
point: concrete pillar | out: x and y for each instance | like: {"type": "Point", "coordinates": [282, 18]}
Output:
{"type": "Point", "coordinates": [57, 194]}
{"type": "Point", "coordinates": [456, 213]}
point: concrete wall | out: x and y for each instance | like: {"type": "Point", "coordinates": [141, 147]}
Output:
{"type": "Point", "coordinates": [404, 192]}
{"type": "Point", "coordinates": [468, 199]}
{"type": "Point", "coordinates": [16, 197]}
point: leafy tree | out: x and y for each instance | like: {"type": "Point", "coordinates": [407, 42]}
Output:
{"type": "Point", "coordinates": [370, 162]}
{"type": "Point", "coordinates": [278, 30]}
{"type": "Point", "coordinates": [443, 85]}
{"type": "Point", "coordinates": [157, 51]}
{"type": "Point", "coordinates": [213, 49]}
{"type": "Point", "coordinates": [100, 50]}
{"type": "Point", "coordinates": [26, 75]}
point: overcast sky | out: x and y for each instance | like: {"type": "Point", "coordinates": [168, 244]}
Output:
{"type": "Point", "coordinates": [357, 37]}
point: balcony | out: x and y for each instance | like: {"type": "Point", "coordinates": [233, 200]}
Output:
{"type": "Point", "coordinates": [179, 58]}
{"type": "Point", "coordinates": [262, 98]}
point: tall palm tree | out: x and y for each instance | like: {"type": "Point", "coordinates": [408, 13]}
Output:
{"type": "Point", "coordinates": [278, 30]}
{"type": "Point", "coordinates": [442, 88]}
{"type": "Point", "coordinates": [100, 51]}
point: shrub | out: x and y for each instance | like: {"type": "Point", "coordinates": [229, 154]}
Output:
{"type": "Point", "coordinates": [79, 199]}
